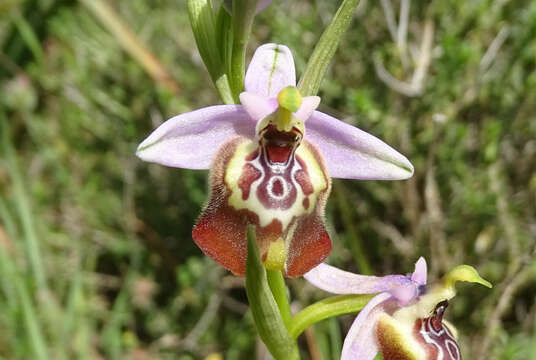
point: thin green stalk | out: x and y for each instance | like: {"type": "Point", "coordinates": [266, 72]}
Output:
{"type": "Point", "coordinates": [243, 15]}
{"type": "Point", "coordinates": [330, 307]}
{"type": "Point", "coordinates": [264, 309]}
{"type": "Point", "coordinates": [279, 290]}
{"type": "Point", "coordinates": [325, 48]}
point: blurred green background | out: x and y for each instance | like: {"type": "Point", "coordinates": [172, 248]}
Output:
{"type": "Point", "coordinates": [96, 256]}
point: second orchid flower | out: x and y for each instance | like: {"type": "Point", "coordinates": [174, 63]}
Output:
{"type": "Point", "coordinates": [404, 321]}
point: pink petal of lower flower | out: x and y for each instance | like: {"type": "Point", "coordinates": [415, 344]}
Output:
{"type": "Point", "coordinates": [360, 342]}
{"type": "Point", "coordinates": [337, 281]}
{"type": "Point", "coordinates": [352, 153]}
{"type": "Point", "coordinates": [420, 274]}
{"type": "Point", "coordinates": [271, 69]}
{"type": "Point", "coordinates": [191, 140]}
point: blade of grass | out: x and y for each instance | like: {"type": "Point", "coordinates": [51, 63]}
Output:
{"type": "Point", "coordinates": [23, 300]}
{"type": "Point", "coordinates": [325, 48]}
{"type": "Point", "coordinates": [24, 213]}
{"type": "Point", "coordinates": [28, 35]}
{"type": "Point", "coordinates": [131, 44]}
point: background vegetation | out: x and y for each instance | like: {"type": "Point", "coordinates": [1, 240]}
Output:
{"type": "Point", "coordinates": [96, 257]}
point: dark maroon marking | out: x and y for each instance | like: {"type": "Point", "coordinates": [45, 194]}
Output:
{"type": "Point", "coordinates": [280, 138]}
{"type": "Point", "coordinates": [275, 164]}
{"type": "Point", "coordinates": [435, 337]}
{"type": "Point", "coordinates": [277, 159]}
{"type": "Point", "coordinates": [296, 130]}
{"type": "Point", "coordinates": [305, 203]}
{"type": "Point", "coordinates": [279, 145]}
{"type": "Point", "coordinates": [248, 176]}
{"type": "Point", "coordinates": [277, 188]}
{"type": "Point", "coordinates": [278, 154]}
{"type": "Point", "coordinates": [252, 156]}
{"type": "Point", "coordinates": [437, 320]}
{"type": "Point", "coordinates": [273, 196]}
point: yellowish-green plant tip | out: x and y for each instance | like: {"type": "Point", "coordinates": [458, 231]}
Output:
{"type": "Point", "coordinates": [464, 273]}
{"type": "Point", "coordinates": [277, 255]}
{"type": "Point", "coordinates": [290, 98]}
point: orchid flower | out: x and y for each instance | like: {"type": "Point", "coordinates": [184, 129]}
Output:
{"type": "Point", "coordinates": [270, 158]}
{"type": "Point", "coordinates": [405, 320]}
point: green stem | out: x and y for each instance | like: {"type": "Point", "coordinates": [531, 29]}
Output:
{"type": "Point", "coordinates": [264, 309]}
{"type": "Point", "coordinates": [279, 290]}
{"type": "Point", "coordinates": [325, 48]}
{"type": "Point", "coordinates": [330, 307]}
{"type": "Point", "coordinates": [243, 15]}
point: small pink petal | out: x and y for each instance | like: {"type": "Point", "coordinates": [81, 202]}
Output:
{"type": "Point", "coordinates": [351, 153]}
{"type": "Point", "coordinates": [360, 341]}
{"type": "Point", "coordinates": [271, 69]}
{"type": "Point", "coordinates": [420, 274]}
{"type": "Point", "coordinates": [191, 140]}
{"type": "Point", "coordinates": [258, 107]}
{"type": "Point", "coordinates": [309, 105]}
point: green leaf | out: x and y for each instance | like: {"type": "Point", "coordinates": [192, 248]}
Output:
{"type": "Point", "coordinates": [325, 49]}
{"type": "Point", "coordinates": [264, 308]}
{"type": "Point", "coordinates": [204, 28]}
{"type": "Point", "coordinates": [242, 19]}
{"type": "Point", "coordinates": [203, 24]}
{"type": "Point", "coordinates": [224, 32]}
